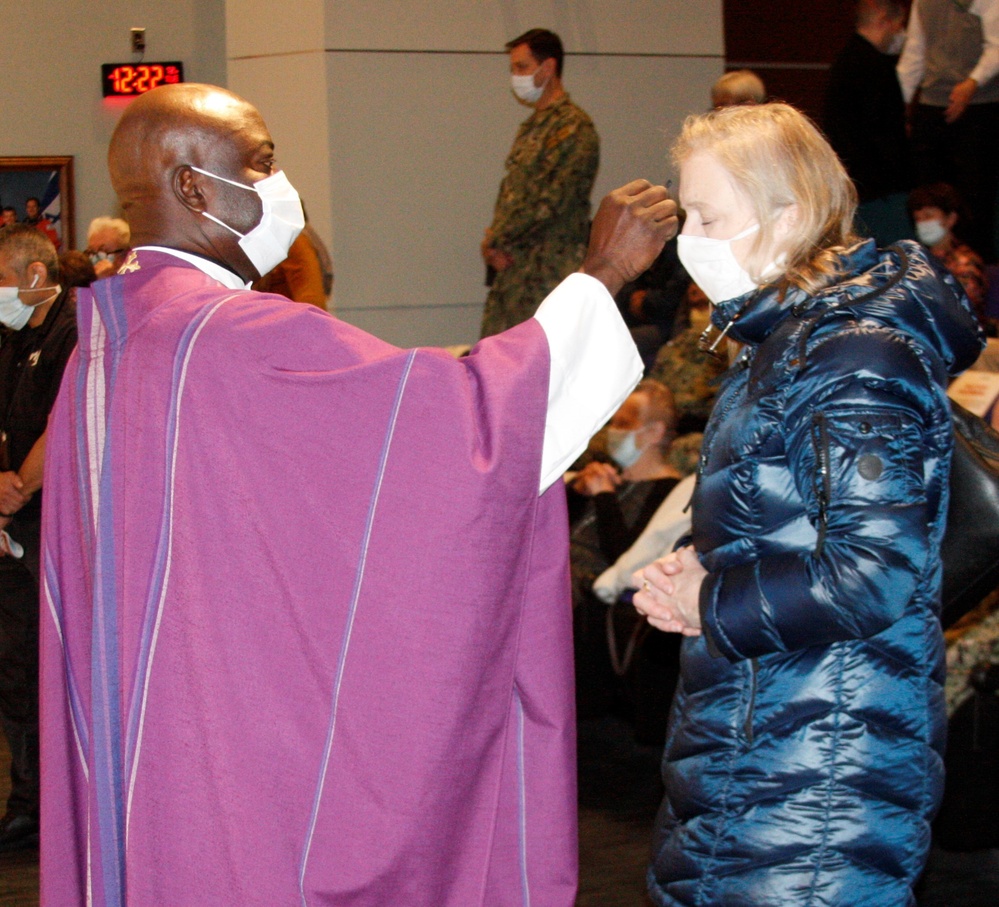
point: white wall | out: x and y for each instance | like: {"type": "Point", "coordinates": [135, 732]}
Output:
{"type": "Point", "coordinates": [417, 118]}
{"type": "Point", "coordinates": [50, 101]}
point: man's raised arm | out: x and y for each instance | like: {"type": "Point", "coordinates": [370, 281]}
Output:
{"type": "Point", "coordinates": [594, 363]}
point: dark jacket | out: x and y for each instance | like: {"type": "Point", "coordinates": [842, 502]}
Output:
{"type": "Point", "coordinates": [32, 361]}
{"type": "Point", "coordinates": [803, 764]}
{"type": "Point", "coordinates": [864, 118]}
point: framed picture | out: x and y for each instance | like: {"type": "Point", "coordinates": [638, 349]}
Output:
{"type": "Point", "coordinates": [40, 190]}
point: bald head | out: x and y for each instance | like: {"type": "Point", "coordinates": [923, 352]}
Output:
{"type": "Point", "coordinates": [160, 138]}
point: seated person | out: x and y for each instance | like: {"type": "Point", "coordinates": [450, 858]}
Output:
{"type": "Point", "coordinates": [691, 374]}
{"type": "Point", "coordinates": [968, 819]}
{"type": "Point", "coordinates": [611, 503]}
{"type": "Point", "coordinates": [936, 209]}
{"type": "Point", "coordinates": [76, 269]}
{"type": "Point", "coordinates": [669, 524]}
{"type": "Point", "coordinates": [108, 241]}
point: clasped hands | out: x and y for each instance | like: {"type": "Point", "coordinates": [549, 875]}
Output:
{"type": "Point", "coordinates": [669, 592]}
{"type": "Point", "coordinates": [595, 478]}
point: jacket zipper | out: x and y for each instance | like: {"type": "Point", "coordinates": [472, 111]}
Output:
{"type": "Point", "coordinates": [823, 480]}
{"type": "Point", "coordinates": [730, 402]}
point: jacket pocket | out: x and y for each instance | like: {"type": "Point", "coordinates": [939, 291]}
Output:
{"type": "Point", "coordinates": [864, 457]}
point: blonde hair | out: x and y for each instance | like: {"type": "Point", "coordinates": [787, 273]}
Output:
{"type": "Point", "coordinates": [741, 86]}
{"type": "Point", "coordinates": [777, 157]}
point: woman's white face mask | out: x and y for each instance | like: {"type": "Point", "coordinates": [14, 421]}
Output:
{"type": "Point", "coordinates": [712, 265]}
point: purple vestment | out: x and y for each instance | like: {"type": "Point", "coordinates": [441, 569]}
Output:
{"type": "Point", "coordinates": [306, 633]}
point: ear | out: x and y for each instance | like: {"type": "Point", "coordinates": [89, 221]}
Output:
{"type": "Point", "coordinates": [36, 274]}
{"type": "Point", "coordinates": [787, 221]}
{"type": "Point", "coordinates": [950, 220]}
{"type": "Point", "coordinates": [188, 187]}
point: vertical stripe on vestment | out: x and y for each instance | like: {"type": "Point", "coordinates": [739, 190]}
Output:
{"type": "Point", "coordinates": [160, 576]}
{"type": "Point", "coordinates": [351, 615]}
{"type": "Point", "coordinates": [105, 675]}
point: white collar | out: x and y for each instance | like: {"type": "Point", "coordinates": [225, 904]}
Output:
{"type": "Point", "coordinates": [223, 275]}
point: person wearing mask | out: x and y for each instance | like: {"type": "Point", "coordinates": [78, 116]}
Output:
{"type": "Point", "coordinates": [936, 210]}
{"type": "Point", "coordinates": [610, 504]}
{"type": "Point", "coordinates": [803, 758]}
{"type": "Point", "coordinates": [542, 214]}
{"type": "Point", "coordinates": [108, 241]}
{"type": "Point", "coordinates": [951, 58]}
{"type": "Point", "coordinates": [307, 635]}
{"type": "Point", "coordinates": [37, 337]}
{"type": "Point", "coordinates": [864, 118]}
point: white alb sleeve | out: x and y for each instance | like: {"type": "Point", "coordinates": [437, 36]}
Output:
{"type": "Point", "coordinates": [594, 366]}
{"type": "Point", "coordinates": [912, 62]}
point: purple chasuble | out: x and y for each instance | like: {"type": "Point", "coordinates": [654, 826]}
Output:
{"type": "Point", "coordinates": [306, 633]}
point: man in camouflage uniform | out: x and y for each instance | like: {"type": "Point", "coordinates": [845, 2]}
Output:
{"type": "Point", "coordinates": [539, 229]}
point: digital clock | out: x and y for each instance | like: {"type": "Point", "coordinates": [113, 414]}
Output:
{"type": "Point", "coordinates": [126, 80]}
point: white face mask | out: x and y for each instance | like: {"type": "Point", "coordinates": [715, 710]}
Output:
{"type": "Point", "coordinates": [525, 89]}
{"type": "Point", "coordinates": [267, 244]}
{"type": "Point", "coordinates": [14, 312]}
{"type": "Point", "coordinates": [622, 447]}
{"type": "Point", "coordinates": [712, 265]}
{"type": "Point", "coordinates": [930, 232]}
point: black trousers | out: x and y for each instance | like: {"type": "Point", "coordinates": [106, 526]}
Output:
{"type": "Point", "coordinates": [19, 585]}
{"type": "Point", "coordinates": [966, 155]}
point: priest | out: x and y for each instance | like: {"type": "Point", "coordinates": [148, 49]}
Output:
{"type": "Point", "coordinates": [306, 634]}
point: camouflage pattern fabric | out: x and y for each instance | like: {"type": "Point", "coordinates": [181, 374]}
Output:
{"type": "Point", "coordinates": [543, 211]}
{"type": "Point", "coordinates": [692, 375]}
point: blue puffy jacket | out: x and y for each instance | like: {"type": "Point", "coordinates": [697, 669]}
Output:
{"type": "Point", "coordinates": [803, 761]}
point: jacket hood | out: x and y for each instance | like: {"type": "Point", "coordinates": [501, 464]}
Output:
{"type": "Point", "coordinates": [900, 287]}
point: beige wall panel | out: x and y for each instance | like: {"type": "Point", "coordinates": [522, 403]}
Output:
{"type": "Point", "coordinates": [594, 26]}
{"type": "Point", "coordinates": [262, 28]}
{"type": "Point", "coordinates": [51, 101]}
{"type": "Point", "coordinates": [290, 92]}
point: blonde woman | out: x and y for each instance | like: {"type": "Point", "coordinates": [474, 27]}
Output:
{"type": "Point", "coordinates": [802, 763]}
